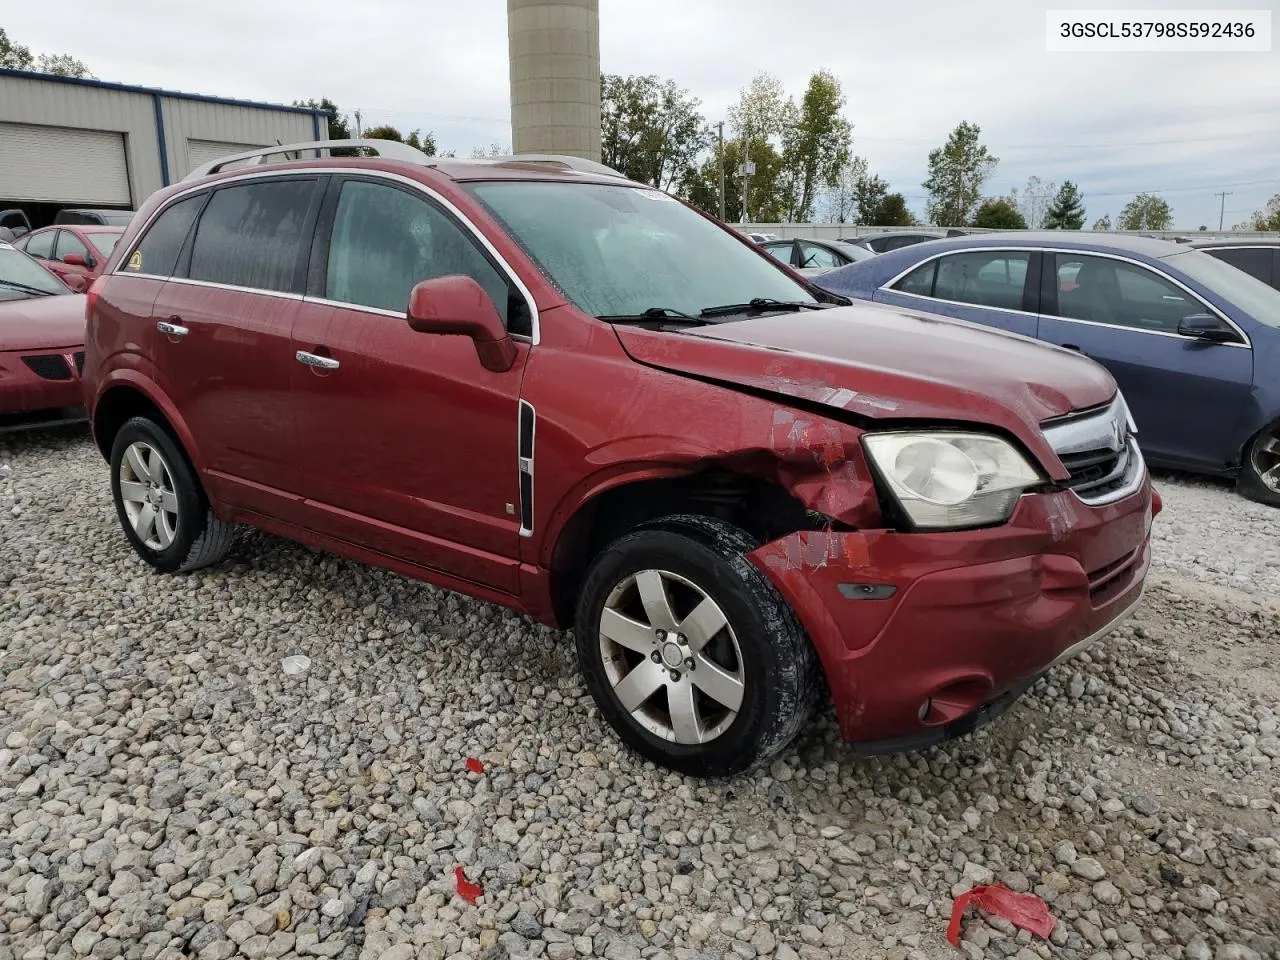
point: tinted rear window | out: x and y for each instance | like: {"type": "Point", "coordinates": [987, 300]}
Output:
{"type": "Point", "coordinates": [158, 251]}
{"type": "Point", "coordinates": [252, 236]}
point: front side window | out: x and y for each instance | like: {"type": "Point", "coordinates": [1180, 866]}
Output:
{"type": "Point", "coordinates": [40, 245]}
{"type": "Point", "coordinates": [617, 250]}
{"type": "Point", "coordinates": [812, 255]}
{"type": "Point", "coordinates": [1113, 292]}
{"type": "Point", "coordinates": [1250, 295]}
{"type": "Point", "coordinates": [157, 252]}
{"type": "Point", "coordinates": [253, 235]}
{"type": "Point", "coordinates": [985, 278]}
{"type": "Point", "coordinates": [68, 242]}
{"type": "Point", "coordinates": [385, 241]}
{"type": "Point", "coordinates": [779, 251]}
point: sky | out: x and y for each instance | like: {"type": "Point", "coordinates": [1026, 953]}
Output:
{"type": "Point", "coordinates": [1184, 125]}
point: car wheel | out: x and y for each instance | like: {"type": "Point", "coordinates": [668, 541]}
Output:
{"type": "Point", "coordinates": [689, 651]}
{"type": "Point", "coordinates": [160, 503]}
{"type": "Point", "coordinates": [1260, 473]}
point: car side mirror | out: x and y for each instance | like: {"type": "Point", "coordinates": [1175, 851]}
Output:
{"type": "Point", "coordinates": [76, 282]}
{"type": "Point", "coordinates": [75, 260]}
{"type": "Point", "coordinates": [458, 305]}
{"type": "Point", "coordinates": [1205, 326]}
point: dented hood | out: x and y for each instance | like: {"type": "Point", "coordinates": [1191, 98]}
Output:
{"type": "Point", "coordinates": [885, 363]}
{"type": "Point", "coordinates": [42, 323]}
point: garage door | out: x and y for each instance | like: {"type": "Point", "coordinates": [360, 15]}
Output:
{"type": "Point", "coordinates": [206, 151]}
{"type": "Point", "coordinates": [63, 165]}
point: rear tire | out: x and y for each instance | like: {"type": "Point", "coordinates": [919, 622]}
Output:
{"type": "Point", "coordinates": [161, 506]}
{"type": "Point", "coordinates": [1260, 470]}
{"type": "Point", "coordinates": [708, 695]}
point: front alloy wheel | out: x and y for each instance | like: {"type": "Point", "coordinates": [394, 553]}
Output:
{"type": "Point", "coordinates": [1260, 473]}
{"type": "Point", "coordinates": [690, 652]}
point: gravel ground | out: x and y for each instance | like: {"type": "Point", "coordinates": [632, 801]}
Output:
{"type": "Point", "coordinates": [167, 790]}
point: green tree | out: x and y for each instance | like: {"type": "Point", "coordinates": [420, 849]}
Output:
{"type": "Point", "coordinates": [650, 129]}
{"type": "Point", "coordinates": [892, 212]}
{"type": "Point", "coordinates": [760, 120]}
{"type": "Point", "coordinates": [339, 125]}
{"type": "Point", "coordinates": [815, 145]}
{"type": "Point", "coordinates": [1267, 218]}
{"type": "Point", "coordinates": [1146, 211]}
{"type": "Point", "coordinates": [14, 56]}
{"type": "Point", "coordinates": [489, 152]}
{"type": "Point", "coordinates": [999, 213]}
{"type": "Point", "coordinates": [1103, 222]}
{"type": "Point", "coordinates": [426, 142]}
{"type": "Point", "coordinates": [62, 65]}
{"type": "Point", "coordinates": [1067, 210]}
{"type": "Point", "coordinates": [767, 203]}
{"type": "Point", "coordinates": [384, 132]}
{"type": "Point", "coordinates": [841, 198]}
{"type": "Point", "coordinates": [957, 172]}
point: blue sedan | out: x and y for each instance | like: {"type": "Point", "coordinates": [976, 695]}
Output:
{"type": "Point", "coordinates": [1193, 342]}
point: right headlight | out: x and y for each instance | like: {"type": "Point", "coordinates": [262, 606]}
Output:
{"type": "Point", "coordinates": [947, 480]}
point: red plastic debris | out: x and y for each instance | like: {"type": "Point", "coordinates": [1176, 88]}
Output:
{"type": "Point", "coordinates": [467, 890]}
{"type": "Point", "coordinates": [1023, 910]}
{"type": "Point", "coordinates": [474, 765]}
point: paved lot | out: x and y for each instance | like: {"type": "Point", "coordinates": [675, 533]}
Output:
{"type": "Point", "coordinates": [167, 790]}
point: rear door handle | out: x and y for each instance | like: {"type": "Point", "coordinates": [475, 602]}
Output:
{"type": "Point", "coordinates": [172, 329]}
{"type": "Point", "coordinates": [315, 360]}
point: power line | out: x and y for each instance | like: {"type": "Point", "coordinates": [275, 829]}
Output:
{"type": "Point", "coordinates": [1073, 146]}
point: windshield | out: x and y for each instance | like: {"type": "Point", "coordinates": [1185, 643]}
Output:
{"type": "Point", "coordinates": [617, 251]}
{"type": "Point", "coordinates": [20, 275]}
{"type": "Point", "coordinates": [104, 241]}
{"type": "Point", "coordinates": [1257, 299]}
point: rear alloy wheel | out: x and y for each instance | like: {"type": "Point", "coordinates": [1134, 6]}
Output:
{"type": "Point", "coordinates": [690, 652]}
{"type": "Point", "coordinates": [161, 504]}
{"type": "Point", "coordinates": [1260, 473]}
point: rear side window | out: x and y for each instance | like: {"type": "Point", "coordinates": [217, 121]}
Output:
{"type": "Point", "coordinates": [919, 281]}
{"type": "Point", "coordinates": [988, 278]}
{"type": "Point", "coordinates": [41, 245]}
{"type": "Point", "coordinates": [1255, 261]}
{"type": "Point", "coordinates": [252, 235]}
{"type": "Point", "coordinates": [158, 250]}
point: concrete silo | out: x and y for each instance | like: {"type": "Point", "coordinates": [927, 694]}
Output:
{"type": "Point", "coordinates": [555, 76]}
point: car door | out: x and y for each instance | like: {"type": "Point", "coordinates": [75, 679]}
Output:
{"type": "Point", "coordinates": [408, 444]}
{"type": "Point", "coordinates": [996, 287]}
{"type": "Point", "coordinates": [1185, 394]}
{"type": "Point", "coordinates": [223, 342]}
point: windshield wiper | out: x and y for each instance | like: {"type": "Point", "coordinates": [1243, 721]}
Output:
{"type": "Point", "coordinates": [760, 304]}
{"type": "Point", "coordinates": [26, 289]}
{"type": "Point", "coordinates": [668, 314]}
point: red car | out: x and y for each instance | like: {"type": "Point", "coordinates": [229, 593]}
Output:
{"type": "Point", "coordinates": [541, 384]}
{"type": "Point", "coordinates": [41, 345]}
{"type": "Point", "coordinates": [76, 254]}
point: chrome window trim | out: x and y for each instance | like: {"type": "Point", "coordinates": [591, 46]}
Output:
{"type": "Point", "coordinates": [1239, 246]}
{"type": "Point", "coordinates": [535, 321]}
{"type": "Point", "coordinates": [887, 286]}
{"type": "Point", "coordinates": [234, 288]}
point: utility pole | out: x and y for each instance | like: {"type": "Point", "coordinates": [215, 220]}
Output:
{"type": "Point", "coordinates": [1222, 209]}
{"type": "Point", "coordinates": [357, 124]}
{"type": "Point", "coordinates": [721, 171]}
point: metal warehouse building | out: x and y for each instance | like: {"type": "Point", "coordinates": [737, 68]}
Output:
{"type": "Point", "coordinates": [71, 142]}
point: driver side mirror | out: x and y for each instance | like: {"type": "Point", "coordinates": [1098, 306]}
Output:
{"type": "Point", "coordinates": [1207, 327]}
{"type": "Point", "coordinates": [75, 260]}
{"type": "Point", "coordinates": [458, 305]}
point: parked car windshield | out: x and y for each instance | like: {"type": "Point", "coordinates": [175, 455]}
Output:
{"type": "Point", "coordinates": [105, 241]}
{"type": "Point", "coordinates": [1259, 300]}
{"type": "Point", "coordinates": [617, 251]}
{"type": "Point", "coordinates": [22, 277]}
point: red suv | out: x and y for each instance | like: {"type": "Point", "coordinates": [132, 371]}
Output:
{"type": "Point", "coordinates": [536, 382]}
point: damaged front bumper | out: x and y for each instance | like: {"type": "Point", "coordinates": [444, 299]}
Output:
{"type": "Point", "coordinates": [925, 636]}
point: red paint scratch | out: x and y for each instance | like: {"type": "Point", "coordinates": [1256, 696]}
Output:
{"type": "Point", "coordinates": [468, 891]}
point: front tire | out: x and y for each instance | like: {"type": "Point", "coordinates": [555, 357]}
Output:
{"type": "Point", "coordinates": [160, 503]}
{"type": "Point", "coordinates": [688, 650]}
{"type": "Point", "coordinates": [1260, 472]}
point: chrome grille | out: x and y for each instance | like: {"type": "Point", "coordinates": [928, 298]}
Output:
{"type": "Point", "coordinates": [1100, 452]}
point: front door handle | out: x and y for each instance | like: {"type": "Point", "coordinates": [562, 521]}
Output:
{"type": "Point", "coordinates": [1072, 346]}
{"type": "Point", "coordinates": [171, 329]}
{"type": "Point", "coordinates": [315, 360]}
